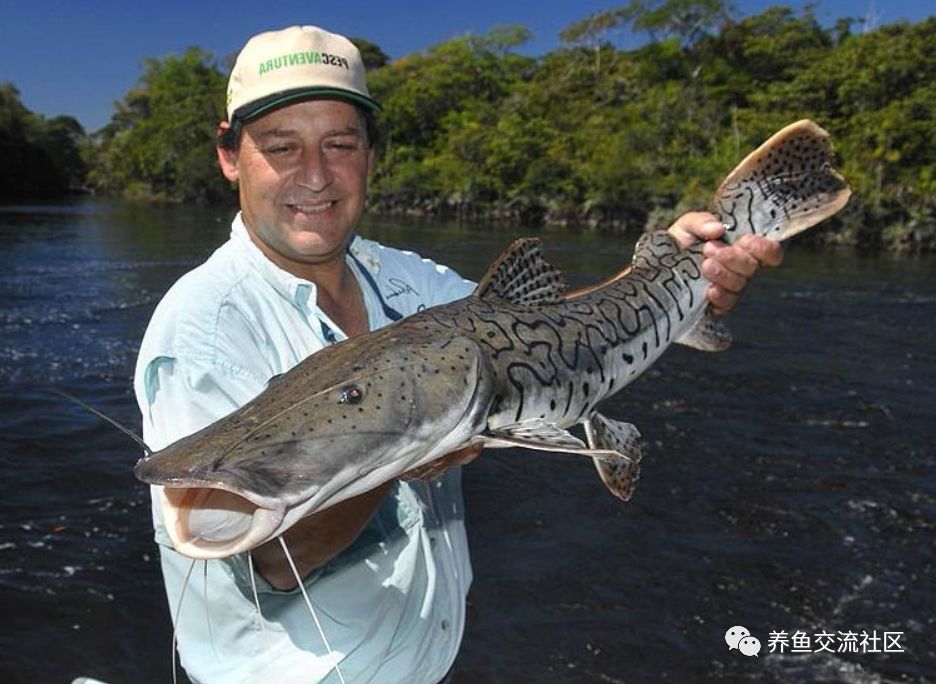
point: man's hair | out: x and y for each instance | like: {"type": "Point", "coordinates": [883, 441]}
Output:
{"type": "Point", "coordinates": [229, 138]}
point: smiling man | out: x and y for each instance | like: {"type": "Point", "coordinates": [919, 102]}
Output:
{"type": "Point", "coordinates": [387, 571]}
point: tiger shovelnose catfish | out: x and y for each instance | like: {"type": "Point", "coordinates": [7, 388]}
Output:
{"type": "Point", "coordinates": [517, 363]}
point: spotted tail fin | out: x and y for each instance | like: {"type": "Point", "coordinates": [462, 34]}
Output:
{"type": "Point", "coordinates": [784, 187]}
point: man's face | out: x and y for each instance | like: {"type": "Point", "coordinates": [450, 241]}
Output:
{"type": "Point", "coordinates": [302, 175]}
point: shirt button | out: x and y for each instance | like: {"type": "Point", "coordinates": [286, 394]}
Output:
{"type": "Point", "coordinates": [432, 541]}
{"type": "Point", "coordinates": [445, 624]}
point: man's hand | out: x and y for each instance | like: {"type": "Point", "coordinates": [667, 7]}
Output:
{"type": "Point", "coordinates": [727, 267]}
{"type": "Point", "coordinates": [432, 470]}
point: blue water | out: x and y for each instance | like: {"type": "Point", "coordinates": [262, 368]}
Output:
{"type": "Point", "coordinates": [788, 484]}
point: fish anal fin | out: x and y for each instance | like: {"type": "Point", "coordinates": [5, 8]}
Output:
{"type": "Point", "coordinates": [708, 334]}
{"type": "Point", "coordinates": [784, 187]}
{"type": "Point", "coordinates": [521, 275]}
{"type": "Point", "coordinates": [617, 450]}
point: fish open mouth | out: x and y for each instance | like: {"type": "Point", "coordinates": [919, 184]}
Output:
{"type": "Point", "coordinates": [207, 522]}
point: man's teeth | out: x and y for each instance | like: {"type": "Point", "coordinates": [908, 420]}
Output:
{"type": "Point", "coordinates": [312, 208]}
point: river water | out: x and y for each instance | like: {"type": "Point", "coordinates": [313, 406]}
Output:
{"type": "Point", "coordinates": [787, 488]}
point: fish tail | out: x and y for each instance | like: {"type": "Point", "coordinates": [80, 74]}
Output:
{"type": "Point", "coordinates": [785, 186]}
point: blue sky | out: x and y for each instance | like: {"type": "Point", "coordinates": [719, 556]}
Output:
{"type": "Point", "coordinates": [77, 58]}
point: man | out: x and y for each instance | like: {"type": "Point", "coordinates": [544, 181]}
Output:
{"type": "Point", "coordinates": [387, 571]}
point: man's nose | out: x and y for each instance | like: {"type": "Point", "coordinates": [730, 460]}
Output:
{"type": "Point", "coordinates": [314, 171]}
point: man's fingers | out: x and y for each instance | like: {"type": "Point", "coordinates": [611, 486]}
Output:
{"type": "Point", "coordinates": [722, 277]}
{"type": "Point", "coordinates": [696, 226]}
{"type": "Point", "coordinates": [721, 300]}
{"type": "Point", "coordinates": [728, 267]}
{"type": "Point", "coordinates": [767, 252]}
{"type": "Point", "coordinates": [746, 255]}
{"type": "Point", "coordinates": [724, 259]}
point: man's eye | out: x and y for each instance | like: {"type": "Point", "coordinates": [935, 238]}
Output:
{"type": "Point", "coordinates": [278, 149]}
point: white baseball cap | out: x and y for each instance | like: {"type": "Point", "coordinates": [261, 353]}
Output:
{"type": "Point", "coordinates": [276, 68]}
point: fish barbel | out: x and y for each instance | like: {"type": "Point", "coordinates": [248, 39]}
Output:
{"type": "Point", "coordinates": [517, 363]}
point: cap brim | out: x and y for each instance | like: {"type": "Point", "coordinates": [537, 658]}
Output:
{"type": "Point", "coordinates": [252, 110]}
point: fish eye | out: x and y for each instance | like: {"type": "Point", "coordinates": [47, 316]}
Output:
{"type": "Point", "coordinates": [351, 394]}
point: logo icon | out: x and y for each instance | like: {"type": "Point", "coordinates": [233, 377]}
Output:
{"type": "Point", "coordinates": [740, 638]}
{"type": "Point", "coordinates": [749, 646]}
{"type": "Point", "coordinates": [734, 635]}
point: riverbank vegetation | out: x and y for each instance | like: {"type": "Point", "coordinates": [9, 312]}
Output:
{"type": "Point", "coordinates": [39, 157]}
{"type": "Point", "coordinates": [594, 132]}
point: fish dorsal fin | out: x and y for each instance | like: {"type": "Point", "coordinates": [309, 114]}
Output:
{"type": "Point", "coordinates": [785, 186]}
{"type": "Point", "coordinates": [521, 275]}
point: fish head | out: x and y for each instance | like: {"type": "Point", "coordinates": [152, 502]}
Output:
{"type": "Point", "coordinates": [344, 421]}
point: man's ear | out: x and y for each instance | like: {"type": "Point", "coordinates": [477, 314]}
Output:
{"type": "Point", "coordinates": [227, 158]}
{"type": "Point", "coordinates": [371, 160]}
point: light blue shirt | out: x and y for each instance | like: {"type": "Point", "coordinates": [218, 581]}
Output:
{"type": "Point", "coordinates": [392, 604]}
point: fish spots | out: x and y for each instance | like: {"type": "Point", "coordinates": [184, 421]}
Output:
{"type": "Point", "coordinates": [569, 394]}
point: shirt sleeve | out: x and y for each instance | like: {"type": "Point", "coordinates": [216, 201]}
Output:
{"type": "Point", "coordinates": [414, 283]}
{"type": "Point", "coordinates": [180, 396]}
{"type": "Point", "coordinates": [444, 285]}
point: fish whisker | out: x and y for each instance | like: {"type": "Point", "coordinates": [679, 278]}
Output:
{"type": "Point", "coordinates": [175, 625]}
{"type": "Point", "coordinates": [253, 586]}
{"type": "Point", "coordinates": [124, 429]}
{"type": "Point", "coordinates": [211, 639]}
{"type": "Point", "coordinates": [308, 601]}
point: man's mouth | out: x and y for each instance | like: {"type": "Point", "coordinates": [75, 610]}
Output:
{"type": "Point", "coordinates": [312, 209]}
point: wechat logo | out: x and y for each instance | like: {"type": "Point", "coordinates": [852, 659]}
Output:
{"type": "Point", "coordinates": [740, 638]}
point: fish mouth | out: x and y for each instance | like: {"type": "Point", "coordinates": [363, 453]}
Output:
{"type": "Point", "coordinates": [211, 522]}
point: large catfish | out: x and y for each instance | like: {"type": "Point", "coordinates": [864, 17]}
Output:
{"type": "Point", "coordinates": [517, 363]}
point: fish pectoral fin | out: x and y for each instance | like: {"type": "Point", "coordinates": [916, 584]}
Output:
{"type": "Point", "coordinates": [533, 434]}
{"type": "Point", "coordinates": [522, 276]}
{"type": "Point", "coordinates": [617, 449]}
{"type": "Point", "coordinates": [708, 334]}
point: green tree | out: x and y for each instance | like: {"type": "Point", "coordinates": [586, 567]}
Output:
{"type": "Point", "coordinates": [160, 142]}
{"type": "Point", "coordinates": [687, 20]}
{"type": "Point", "coordinates": [589, 132]}
{"type": "Point", "coordinates": [371, 54]}
{"type": "Point", "coordinates": [41, 157]}
{"type": "Point", "coordinates": [432, 104]}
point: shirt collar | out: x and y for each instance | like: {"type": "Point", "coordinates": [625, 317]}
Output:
{"type": "Point", "coordinates": [283, 282]}
{"type": "Point", "coordinates": [298, 290]}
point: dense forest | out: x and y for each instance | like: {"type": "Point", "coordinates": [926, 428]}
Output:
{"type": "Point", "coordinates": [39, 157]}
{"type": "Point", "coordinates": [590, 133]}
